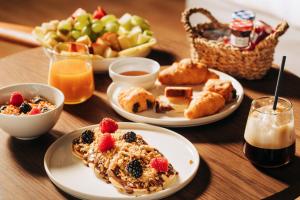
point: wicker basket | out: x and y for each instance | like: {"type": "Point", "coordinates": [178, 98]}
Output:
{"type": "Point", "coordinates": [252, 64]}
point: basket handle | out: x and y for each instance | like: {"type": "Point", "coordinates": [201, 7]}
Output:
{"type": "Point", "coordinates": [280, 29]}
{"type": "Point", "coordinates": [185, 18]}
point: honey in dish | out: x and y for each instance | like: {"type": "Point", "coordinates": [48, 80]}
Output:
{"type": "Point", "coordinates": [134, 73]}
{"type": "Point", "coordinates": [74, 77]}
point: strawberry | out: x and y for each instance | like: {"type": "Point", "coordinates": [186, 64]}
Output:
{"type": "Point", "coordinates": [106, 142]}
{"type": "Point", "coordinates": [160, 164]}
{"type": "Point", "coordinates": [108, 125]}
{"type": "Point", "coordinates": [99, 13]}
{"type": "Point", "coordinates": [34, 111]}
{"type": "Point", "coordinates": [16, 99]}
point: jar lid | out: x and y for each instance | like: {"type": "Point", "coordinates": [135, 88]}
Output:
{"type": "Point", "coordinates": [241, 25]}
{"type": "Point", "coordinates": [243, 14]}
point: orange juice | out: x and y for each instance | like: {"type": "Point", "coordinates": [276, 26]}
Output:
{"type": "Point", "coordinates": [74, 77]}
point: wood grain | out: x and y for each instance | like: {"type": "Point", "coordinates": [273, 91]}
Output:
{"type": "Point", "coordinates": [224, 171]}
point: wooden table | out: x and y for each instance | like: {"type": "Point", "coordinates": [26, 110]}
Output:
{"type": "Point", "coordinates": [224, 172]}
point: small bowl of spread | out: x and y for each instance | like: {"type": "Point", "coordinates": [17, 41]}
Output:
{"type": "Point", "coordinates": [135, 71]}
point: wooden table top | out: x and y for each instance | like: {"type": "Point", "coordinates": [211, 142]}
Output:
{"type": "Point", "coordinates": [224, 172]}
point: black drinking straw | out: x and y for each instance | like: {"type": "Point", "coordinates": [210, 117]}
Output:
{"type": "Point", "coordinates": [278, 82]}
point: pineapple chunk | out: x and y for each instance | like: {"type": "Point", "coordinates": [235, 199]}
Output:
{"type": "Point", "coordinates": [109, 53]}
{"type": "Point", "coordinates": [84, 40]}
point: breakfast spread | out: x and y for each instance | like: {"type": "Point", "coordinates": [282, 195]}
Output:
{"type": "Point", "coordinates": [124, 159]}
{"type": "Point", "coordinates": [104, 34]}
{"type": "Point", "coordinates": [18, 105]}
{"type": "Point", "coordinates": [185, 72]}
{"type": "Point", "coordinates": [183, 94]}
{"type": "Point", "coordinates": [136, 99]}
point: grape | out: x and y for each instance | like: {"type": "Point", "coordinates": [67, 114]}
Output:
{"type": "Point", "coordinates": [79, 26]}
{"type": "Point", "coordinates": [97, 26]}
{"type": "Point", "coordinates": [136, 20]}
{"type": "Point", "coordinates": [108, 18]}
{"type": "Point", "coordinates": [148, 33]}
{"type": "Point", "coordinates": [86, 30]}
{"type": "Point", "coordinates": [84, 18]}
{"type": "Point", "coordinates": [112, 27]}
{"type": "Point", "coordinates": [65, 25]}
{"type": "Point", "coordinates": [75, 34]}
{"type": "Point", "coordinates": [145, 26]}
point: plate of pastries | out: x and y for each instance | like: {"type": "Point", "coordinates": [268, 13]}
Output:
{"type": "Point", "coordinates": [186, 93]}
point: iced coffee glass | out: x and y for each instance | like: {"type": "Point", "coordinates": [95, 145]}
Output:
{"type": "Point", "coordinates": [270, 134]}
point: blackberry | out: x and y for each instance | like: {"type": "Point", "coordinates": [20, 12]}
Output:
{"type": "Point", "coordinates": [87, 137]}
{"type": "Point", "coordinates": [25, 107]}
{"type": "Point", "coordinates": [37, 99]}
{"type": "Point", "coordinates": [135, 168]}
{"type": "Point", "coordinates": [149, 103]}
{"type": "Point", "coordinates": [3, 107]}
{"type": "Point", "coordinates": [44, 109]}
{"type": "Point", "coordinates": [135, 108]}
{"type": "Point", "coordinates": [234, 95]}
{"type": "Point", "coordinates": [129, 137]}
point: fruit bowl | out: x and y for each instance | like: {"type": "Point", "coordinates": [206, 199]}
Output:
{"type": "Point", "coordinates": [106, 36]}
{"type": "Point", "coordinates": [101, 64]}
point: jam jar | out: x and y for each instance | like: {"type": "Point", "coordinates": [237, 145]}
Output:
{"type": "Point", "coordinates": [240, 33]}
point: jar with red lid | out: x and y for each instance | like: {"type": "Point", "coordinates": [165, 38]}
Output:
{"type": "Point", "coordinates": [240, 33]}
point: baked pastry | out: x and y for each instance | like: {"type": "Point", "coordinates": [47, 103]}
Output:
{"type": "Point", "coordinates": [81, 144]}
{"type": "Point", "coordinates": [222, 87]}
{"type": "Point", "coordinates": [185, 73]}
{"type": "Point", "coordinates": [136, 99]}
{"type": "Point", "coordinates": [164, 104]}
{"type": "Point", "coordinates": [204, 104]}
{"type": "Point", "coordinates": [133, 170]}
{"type": "Point", "coordinates": [178, 92]}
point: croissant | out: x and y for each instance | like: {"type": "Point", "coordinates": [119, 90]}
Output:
{"type": "Point", "coordinates": [185, 73]}
{"type": "Point", "coordinates": [204, 104]}
{"type": "Point", "coordinates": [221, 87]}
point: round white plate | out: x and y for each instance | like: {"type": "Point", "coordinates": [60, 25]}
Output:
{"type": "Point", "coordinates": [70, 174]}
{"type": "Point", "coordinates": [171, 119]}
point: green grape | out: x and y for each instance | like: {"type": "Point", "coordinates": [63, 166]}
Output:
{"type": "Point", "coordinates": [148, 33]}
{"type": "Point", "coordinates": [97, 26]}
{"type": "Point", "coordinates": [75, 34]}
{"type": "Point", "coordinates": [86, 30]}
{"type": "Point", "coordinates": [112, 27]}
{"type": "Point", "coordinates": [84, 18]}
{"type": "Point", "coordinates": [65, 25]}
{"type": "Point", "coordinates": [136, 20]}
{"type": "Point", "coordinates": [79, 26]}
{"type": "Point", "coordinates": [108, 18]}
{"type": "Point", "coordinates": [145, 26]}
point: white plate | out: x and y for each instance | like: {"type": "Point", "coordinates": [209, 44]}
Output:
{"type": "Point", "coordinates": [171, 119]}
{"type": "Point", "coordinates": [70, 174]}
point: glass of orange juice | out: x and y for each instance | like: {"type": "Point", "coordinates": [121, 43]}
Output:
{"type": "Point", "coordinates": [71, 71]}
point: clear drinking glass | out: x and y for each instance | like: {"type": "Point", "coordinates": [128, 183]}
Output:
{"type": "Point", "coordinates": [71, 72]}
{"type": "Point", "coordinates": [270, 134]}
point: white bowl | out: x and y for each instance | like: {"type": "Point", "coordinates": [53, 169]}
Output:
{"type": "Point", "coordinates": [134, 64]}
{"type": "Point", "coordinates": [28, 127]}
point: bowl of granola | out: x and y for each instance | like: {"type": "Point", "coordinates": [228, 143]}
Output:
{"type": "Point", "coordinates": [29, 110]}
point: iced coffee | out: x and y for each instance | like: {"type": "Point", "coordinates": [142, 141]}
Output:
{"type": "Point", "coordinates": [270, 134]}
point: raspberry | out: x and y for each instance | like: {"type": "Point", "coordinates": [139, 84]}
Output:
{"type": "Point", "coordinates": [16, 99]}
{"type": "Point", "coordinates": [160, 164]}
{"type": "Point", "coordinates": [108, 125]}
{"type": "Point", "coordinates": [106, 142]}
{"type": "Point", "coordinates": [34, 111]}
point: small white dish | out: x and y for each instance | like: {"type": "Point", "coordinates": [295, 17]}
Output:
{"type": "Point", "coordinates": [70, 174]}
{"type": "Point", "coordinates": [27, 127]}
{"type": "Point", "coordinates": [135, 64]}
{"type": "Point", "coordinates": [171, 119]}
